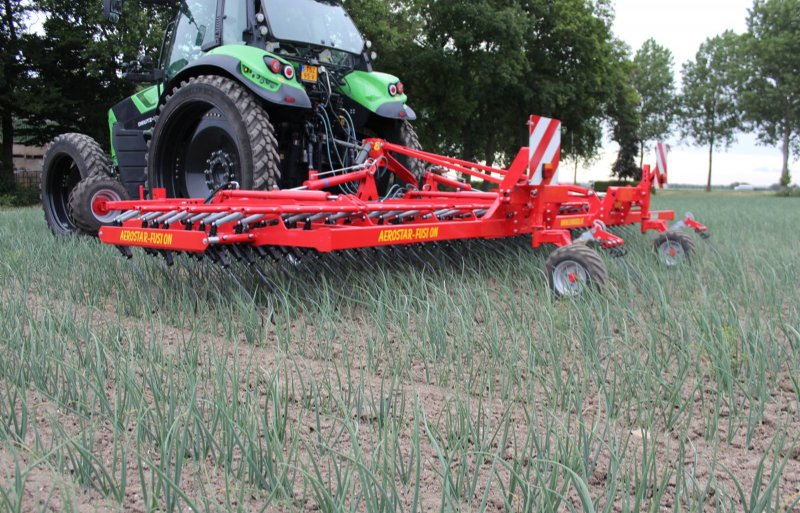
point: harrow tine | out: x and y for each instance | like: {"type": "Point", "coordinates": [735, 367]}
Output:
{"type": "Point", "coordinates": [287, 262]}
{"type": "Point", "coordinates": [707, 240]}
{"type": "Point", "coordinates": [456, 255]}
{"type": "Point", "coordinates": [444, 250]}
{"type": "Point", "coordinates": [435, 253]}
{"type": "Point", "coordinates": [413, 251]}
{"type": "Point", "coordinates": [320, 259]}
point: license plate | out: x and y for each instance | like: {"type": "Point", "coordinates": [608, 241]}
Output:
{"type": "Point", "coordinates": [309, 73]}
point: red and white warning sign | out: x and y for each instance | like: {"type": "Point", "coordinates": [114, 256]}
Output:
{"type": "Point", "coordinates": [662, 152]}
{"type": "Point", "coordinates": [544, 147]}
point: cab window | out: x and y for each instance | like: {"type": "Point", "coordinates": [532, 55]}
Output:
{"type": "Point", "coordinates": [234, 23]}
{"type": "Point", "coordinates": [195, 28]}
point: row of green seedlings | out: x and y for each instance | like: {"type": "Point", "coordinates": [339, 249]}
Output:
{"type": "Point", "coordinates": [160, 418]}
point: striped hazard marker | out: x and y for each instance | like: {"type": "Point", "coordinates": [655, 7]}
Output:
{"type": "Point", "coordinates": [662, 152]}
{"type": "Point", "coordinates": [544, 147]}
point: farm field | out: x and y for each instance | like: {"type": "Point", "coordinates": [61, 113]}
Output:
{"type": "Point", "coordinates": [465, 389]}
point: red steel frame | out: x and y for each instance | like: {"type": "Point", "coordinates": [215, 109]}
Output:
{"type": "Point", "coordinates": [316, 219]}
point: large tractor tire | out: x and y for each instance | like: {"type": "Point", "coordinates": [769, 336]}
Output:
{"type": "Point", "coordinates": [87, 198]}
{"type": "Point", "coordinates": [405, 135]}
{"type": "Point", "coordinates": [69, 159]}
{"type": "Point", "coordinates": [402, 133]}
{"type": "Point", "coordinates": [210, 132]}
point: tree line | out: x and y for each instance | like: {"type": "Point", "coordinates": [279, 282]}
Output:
{"type": "Point", "coordinates": [736, 83]}
{"type": "Point", "coordinates": [474, 69]}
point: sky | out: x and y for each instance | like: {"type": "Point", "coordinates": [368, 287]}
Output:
{"type": "Point", "coordinates": [681, 26]}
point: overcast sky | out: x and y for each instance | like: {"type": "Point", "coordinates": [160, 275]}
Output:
{"type": "Point", "coordinates": [681, 26]}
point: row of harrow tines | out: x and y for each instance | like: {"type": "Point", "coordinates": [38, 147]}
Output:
{"type": "Point", "coordinates": [425, 221]}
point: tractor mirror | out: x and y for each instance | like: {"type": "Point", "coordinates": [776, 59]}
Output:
{"type": "Point", "coordinates": [201, 35]}
{"type": "Point", "coordinates": [112, 10]}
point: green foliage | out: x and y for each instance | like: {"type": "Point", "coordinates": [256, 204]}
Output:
{"type": "Point", "coordinates": [475, 70]}
{"type": "Point", "coordinates": [623, 113]}
{"type": "Point", "coordinates": [654, 80]}
{"type": "Point", "coordinates": [789, 192]}
{"type": "Point", "coordinates": [602, 186]}
{"type": "Point", "coordinates": [17, 197]}
{"type": "Point", "coordinates": [709, 111]}
{"type": "Point", "coordinates": [770, 93]}
{"type": "Point", "coordinates": [12, 77]}
{"type": "Point", "coordinates": [77, 64]}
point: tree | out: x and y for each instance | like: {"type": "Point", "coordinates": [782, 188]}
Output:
{"type": "Point", "coordinates": [476, 69]}
{"type": "Point", "coordinates": [709, 111]}
{"type": "Point", "coordinates": [12, 16]}
{"type": "Point", "coordinates": [770, 94]}
{"type": "Point", "coordinates": [622, 111]}
{"type": "Point", "coordinates": [77, 63]}
{"type": "Point", "coordinates": [654, 80]}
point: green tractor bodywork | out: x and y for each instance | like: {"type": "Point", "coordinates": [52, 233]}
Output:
{"type": "Point", "coordinates": [199, 45]}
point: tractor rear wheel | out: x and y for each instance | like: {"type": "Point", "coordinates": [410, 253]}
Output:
{"type": "Point", "coordinates": [210, 132]}
{"type": "Point", "coordinates": [674, 248]}
{"type": "Point", "coordinates": [86, 202]}
{"type": "Point", "coordinates": [573, 269]}
{"type": "Point", "coordinates": [402, 133]}
{"type": "Point", "coordinates": [69, 159]}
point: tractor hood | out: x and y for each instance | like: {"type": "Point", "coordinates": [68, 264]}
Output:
{"type": "Point", "coordinates": [373, 91]}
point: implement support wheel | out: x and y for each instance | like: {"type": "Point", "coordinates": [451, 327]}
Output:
{"type": "Point", "coordinates": [674, 248]}
{"type": "Point", "coordinates": [573, 269]}
{"type": "Point", "coordinates": [87, 203]}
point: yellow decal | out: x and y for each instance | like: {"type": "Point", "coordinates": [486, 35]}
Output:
{"type": "Point", "coordinates": [148, 238]}
{"type": "Point", "coordinates": [409, 234]}
{"type": "Point", "coordinates": [578, 221]}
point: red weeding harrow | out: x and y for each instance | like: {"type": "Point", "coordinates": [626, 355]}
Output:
{"type": "Point", "coordinates": [424, 213]}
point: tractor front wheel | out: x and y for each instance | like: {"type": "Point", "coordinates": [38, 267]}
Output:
{"type": "Point", "coordinates": [69, 159]}
{"type": "Point", "coordinates": [210, 132]}
{"type": "Point", "coordinates": [674, 248]}
{"type": "Point", "coordinates": [88, 199]}
{"type": "Point", "coordinates": [573, 269]}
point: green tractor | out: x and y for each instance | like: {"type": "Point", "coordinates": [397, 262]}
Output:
{"type": "Point", "coordinates": [260, 93]}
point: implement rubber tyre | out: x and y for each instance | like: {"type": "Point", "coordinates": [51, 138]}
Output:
{"type": "Point", "coordinates": [674, 248]}
{"type": "Point", "coordinates": [83, 199]}
{"type": "Point", "coordinates": [212, 131]}
{"type": "Point", "coordinates": [69, 159]}
{"type": "Point", "coordinates": [573, 269]}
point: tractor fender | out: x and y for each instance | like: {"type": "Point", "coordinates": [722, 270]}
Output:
{"type": "Point", "coordinates": [254, 77]}
{"type": "Point", "coordinates": [371, 91]}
